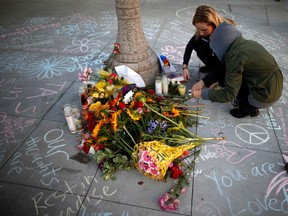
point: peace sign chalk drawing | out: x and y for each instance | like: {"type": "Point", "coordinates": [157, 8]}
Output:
{"type": "Point", "coordinates": [252, 134]}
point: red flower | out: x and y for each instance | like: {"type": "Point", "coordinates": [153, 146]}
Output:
{"type": "Point", "coordinates": [175, 171]}
{"type": "Point", "coordinates": [116, 48]}
{"type": "Point", "coordinates": [138, 104]}
{"type": "Point", "coordinates": [185, 153]}
{"type": "Point", "coordinates": [113, 103]}
{"type": "Point", "coordinates": [91, 122]}
{"type": "Point", "coordinates": [98, 147]}
{"type": "Point", "coordinates": [101, 164]}
{"type": "Point", "coordinates": [166, 62]}
{"type": "Point", "coordinates": [113, 75]}
{"type": "Point", "coordinates": [110, 81]}
{"type": "Point", "coordinates": [121, 105]}
{"type": "Point", "coordinates": [151, 91]}
{"type": "Point", "coordinates": [86, 148]}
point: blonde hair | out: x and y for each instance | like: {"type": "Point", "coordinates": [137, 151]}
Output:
{"type": "Point", "coordinates": [208, 15]}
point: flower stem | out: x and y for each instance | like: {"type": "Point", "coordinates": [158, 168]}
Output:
{"type": "Point", "coordinates": [178, 125]}
{"type": "Point", "coordinates": [129, 135]}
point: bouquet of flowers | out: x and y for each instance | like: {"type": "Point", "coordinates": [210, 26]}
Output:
{"type": "Point", "coordinates": [153, 158]}
{"type": "Point", "coordinates": [127, 126]}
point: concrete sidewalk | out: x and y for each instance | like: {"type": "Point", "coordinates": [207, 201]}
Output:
{"type": "Point", "coordinates": [43, 47]}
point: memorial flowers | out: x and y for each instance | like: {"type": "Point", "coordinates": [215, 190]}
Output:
{"type": "Point", "coordinates": [129, 127]}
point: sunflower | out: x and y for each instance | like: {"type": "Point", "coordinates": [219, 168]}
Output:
{"type": "Point", "coordinates": [134, 115]}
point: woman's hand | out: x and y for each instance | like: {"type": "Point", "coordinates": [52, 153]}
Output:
{"type": "Point", "coordinates": [198, 86]}
{"type": "Point", "coordinates": [196, 94]}
{"type": "Point", "coordinates": [186, 74]}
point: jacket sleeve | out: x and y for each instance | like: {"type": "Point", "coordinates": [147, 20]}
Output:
{"type": "Point", "coordinates": [216, 75]}
{"type": "Point", "coordinates": [188, 50]}
{"type": "Point", "coordinates": [233, 80]}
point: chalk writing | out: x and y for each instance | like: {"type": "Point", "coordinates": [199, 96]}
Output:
{"type": "Point", "coordinates": [207, 208]}
{"type": "Point", "coordinates": [104, 213]}
{"type": "Point", "coordinates": [272, 43]}
{"type": "Point", "coordinates": [28, 29]}
{"type": "Point", "coordinates": [52, 66]}
{"type": "Point", "coordinates": [188, 12]}
{"type": "Point", "coordinates": [39, 20]}
{"type": "Point", "coordinates": [47, 170]}
{"type": "Point", "coordinates": [9, 127]}
{"type": "Point", "coordinates": [224, 149]}
{"type": "Point", "coordinates": [226, 181]}
{"type": "Point", "coordinates": [42, 202]}
{"type": "Point", "coordinates": [280, 114]}
{"type": "Point", "coordinates": [16, 92]}
{"type": "Point", "coordinates": [270, 120]}
{"type": "Point", "coordinates": [280, 181]}
{"type": "Point", "coordinates": [257, 206]}
{"type": "Point", "coordinates": [2, 155]}
{"type": "Point", "coordinates": [174, 54]}
{"type": "Point", "coordinates": [3, 82]}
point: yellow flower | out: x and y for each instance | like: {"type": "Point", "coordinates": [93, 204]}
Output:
{"type": "Point", "coordinates": [100, 85]}
{"type": "Point", "coordinates": [104, 73]}
{"type": "Point", "coordinates": [95, 106]}
{"type": "Point", "coordinates": [102, 139]}
{"type": "Point", "coordinates": [134, 116]}
{"type": "Point", "coordinates": [114, 121]}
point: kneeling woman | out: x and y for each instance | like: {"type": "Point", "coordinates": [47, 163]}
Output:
{"type": "Point", "coordinates": [252, 75]}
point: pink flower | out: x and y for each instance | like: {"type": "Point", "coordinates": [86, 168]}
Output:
{"type": "Point", "coordinates": [147, 163]}
{"type": "Point", "coordinates": [79, 147]}
{"type": "Point", "coordinates": [167, 203]}
{"type": "Point", "coordinates": [139, 110]}
{"type": "Point", "coordinates": [183, 190]}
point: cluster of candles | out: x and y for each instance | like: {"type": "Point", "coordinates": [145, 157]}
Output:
{"type": "Point", "coordinates": [162, 86]}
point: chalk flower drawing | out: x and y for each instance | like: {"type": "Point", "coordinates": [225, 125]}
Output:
{"type": "Point", "coordinates": [47, 68]}
{"type": "Point", "coordinates": [83, 46]}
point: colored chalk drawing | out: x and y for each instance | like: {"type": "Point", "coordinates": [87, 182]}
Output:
{"type": "Point", "coordinates": [252, 134]}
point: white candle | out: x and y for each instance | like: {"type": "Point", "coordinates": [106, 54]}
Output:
{"type": "Point", "coordinates": [69, 118]}
{"type": "Point", "coordinates": [165, 85]}
{"type": "Point", "coordinates": [158, 85]}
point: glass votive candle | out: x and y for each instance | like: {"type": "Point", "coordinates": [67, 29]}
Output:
{"type": "Point", "coordinates": [158, 85]}
{"type": "Point", "coordinates": [182, 89]}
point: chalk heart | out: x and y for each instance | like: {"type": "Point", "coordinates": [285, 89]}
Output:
{"type": "Point", "coordinates": [240, 155]}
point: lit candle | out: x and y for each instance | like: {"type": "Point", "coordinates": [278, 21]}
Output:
{"type": "Point", "coordinates": [182, 89]}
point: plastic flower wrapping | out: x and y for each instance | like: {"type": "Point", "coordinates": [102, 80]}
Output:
{"type": "Point", "coordinates": [129, 127]}
{"type": "Point", "coordinates": [153, 158]}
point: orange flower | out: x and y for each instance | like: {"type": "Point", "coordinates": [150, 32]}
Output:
{"type": "Point", "coordinates": [174, 111]}
{"type": "Point", "coordinates": [97, 129]}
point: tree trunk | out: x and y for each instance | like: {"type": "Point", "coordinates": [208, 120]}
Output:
{"type": "Point", "coordinates": [135, 51]}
